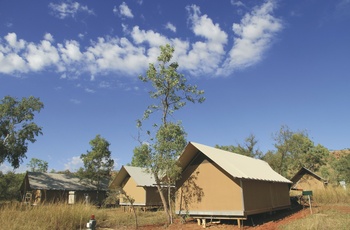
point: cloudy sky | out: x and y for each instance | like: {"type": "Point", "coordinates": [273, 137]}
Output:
{"type": "Point", "coordinates": [262, 64]}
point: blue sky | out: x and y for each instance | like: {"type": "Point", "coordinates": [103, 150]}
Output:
{"type": "Point", "coordinates": [262, 64]}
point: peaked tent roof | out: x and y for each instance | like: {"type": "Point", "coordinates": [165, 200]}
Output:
{"type": "Point", "coordinates": [140, 175]}
{"type": "Point", "coordinates": [56, 181]}
{"type": "Point", "coordinates": [238, 166]}
{"type": "Point", "coordinates": [304, 171]}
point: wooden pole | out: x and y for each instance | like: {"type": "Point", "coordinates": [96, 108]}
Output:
{"type": "Point", "coordinates": [310, 204]}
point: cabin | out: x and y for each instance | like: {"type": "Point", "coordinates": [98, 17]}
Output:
{"type": "Point", "coordinates": [306, 180]}
{"type": "Point", "coordinates": [39, 187]}
{"type": "Point", "coordinates": [139, 185]}
{"type": "Point", "coordinates": [217, 184]}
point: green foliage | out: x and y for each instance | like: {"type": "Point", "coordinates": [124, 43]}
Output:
{"type": "Point", "coordinates": [171, 93]}
{"type": "Point", "coordinates": [9, 186]}
{"type": "Point", "coordinates": [17, 127]}
{"type": "Point", "coordinates": [296, 150]}
{"type": "Point", "coordinates": [37, 165]}
{"type": "Point", "coordinates": [171, 140]}
{"type": "Point", "coordinates": [98, 163]}
{"type": "Point", "coordinates": [342, 167]}
{"type": "Point", "coordinates": [171, 90]}
{"type": "Point", "coordinates": [247, 149]}
{"type": "Point", "coordinates": [273, 158]}
{"type": "Point", "coordinates": [141, 156]}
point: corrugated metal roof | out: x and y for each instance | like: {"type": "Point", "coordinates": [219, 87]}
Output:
{"type": "Point", "coordinates": [236, 165]}
{"type": "Point", "coordinates": [141, 176]}
{"type": "Point", "coordinates": [56, 181]}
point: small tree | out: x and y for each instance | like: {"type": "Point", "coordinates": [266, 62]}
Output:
{"type": "Point", "coordinates": [17, 127]}
{"type": "Point", "coordinates": [98, 163]}
{"type": "Point", "coordinates": [37, 165]}
{"type": "Point", "coordinates": [9, 186]}
{"type": "Point", "coordinates": [171, 92]}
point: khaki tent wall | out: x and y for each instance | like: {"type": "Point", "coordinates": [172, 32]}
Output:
{"type": "Point", "coordinates": [153, 197]}
{"type": "Point", "coordinates": [54, 196]}
{"type": "Point", "coordinates": [136, 193]}
{"type": "Point", "coordinates": [263, 196]}
{"type": "Point", "coordinates": [308, 182]}
{"type": "Point", "coordinates": [201, 191]}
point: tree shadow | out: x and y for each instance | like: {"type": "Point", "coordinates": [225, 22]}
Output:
{"type": "Point", "coordinates": [190, 193]}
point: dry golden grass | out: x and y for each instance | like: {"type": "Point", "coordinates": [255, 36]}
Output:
{"type": "Point", "coordinates": [16, 216]}
{"type": "Point", "coordinates": [324, 219]}
{"type": "Point", "coordinates": [331, 195]}
{"type": "Point", "coordinates": [332, 212]}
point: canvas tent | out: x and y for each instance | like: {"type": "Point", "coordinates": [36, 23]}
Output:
{"type": "Point", "coordinates": [137, 184]}
{"type": "Point", "coordinates": [220, 184]}
{"type": "Point", "coordinates": [40, 187]}
{"type": "Point", "coordinates": [306, 180]}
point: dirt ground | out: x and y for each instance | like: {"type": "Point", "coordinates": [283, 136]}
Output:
{"type": "Point", "coordinates": [255, 222]}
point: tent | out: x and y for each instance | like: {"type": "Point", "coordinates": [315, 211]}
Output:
{"type": "Point", "coordinates": [38, 187]}
{"type": "Point", "coordinates": [305, 180]}
{"type": "Point", "coordinates": [139, 185]}
{"type": "Point", "coordinates": [218, 184]}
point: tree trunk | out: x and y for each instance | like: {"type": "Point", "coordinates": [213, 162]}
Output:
{"type": "Point", "coordinates": [169, 201]}
{"type": "Point", "coordinates": [162, 197]}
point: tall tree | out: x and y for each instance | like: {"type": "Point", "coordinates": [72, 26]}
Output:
{"type": "Point", "coordinates": [17, 127]}
{"type": "Point", "coordinates": [171, 92]}
{"type": "Point", "coordinates": [248, 148]}
{"type": "Point", "coordinates": [296, 150]}
{"type": "Point", "coordinates": [283, 148]}
{"type": "Point", "coordinates": [98, 163]}
{"type": "Point", "coordinates": [37, 165]}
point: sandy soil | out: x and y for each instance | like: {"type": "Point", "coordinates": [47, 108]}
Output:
{"type": "Point", "coordinates": [256, 222]}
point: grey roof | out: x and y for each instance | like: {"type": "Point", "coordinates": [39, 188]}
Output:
{"type": "Point", "coordinates": [140, 175]}
{"type": "Point", "coordinates": [56, 181]}
{"type": "Point", "coordinates": [236, 165]}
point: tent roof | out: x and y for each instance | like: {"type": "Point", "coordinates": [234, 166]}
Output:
{"type": "Point", "coordinates": [56, 181]}
{"type": "Point", "coordinates": [304, 171]}
{"type": "Point", "coordinates": [140, 175]}
{"type": "Point", "coordinates": [236, 165]}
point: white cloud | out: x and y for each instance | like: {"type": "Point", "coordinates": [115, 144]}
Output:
{"type": "Point", "coordinates": [48, 37]}
{"type": "Point", "coordinates": [237, 3]}
{"type": "Point", "coordinates": [41, 55]}
{"type": "Point", "coordinates": [70, 51]}
{"type": "Point", "coordinates": [104, 84]}
{"type": "Point", "coordinates": [75, 101]}
{"type": "Point", "coordinates": [129, 55]}
{"type": "Point", "coordinates": [68, 9]}
{"type": "Point", "coordinates": [254, 34]}
{"type": "Point", "coordinates": [154, 39]}
{"type": "Point", "coordinates": [205, 56]}
{"type": "Point", "coordinates": [89, 90]}
{"type": "Point", "coordinates": [73, 164]}
{"type": "Point", "coordinates": [171, 27]}
{"type": "Point", "coordinates": [112, 54]}
{"type": "Point", "coordinates": [125, 11]}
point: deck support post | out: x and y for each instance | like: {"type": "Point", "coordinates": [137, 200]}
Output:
{"type": "Point", "coordinates": [204, 224]}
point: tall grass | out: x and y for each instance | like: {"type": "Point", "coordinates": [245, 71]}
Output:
{"type": "Point", "coordinates": [325, 219]}
{"type": "Point", "coordinates": [50, 216]}
{"type": "Point", "coordinates": [332, 195]}
{"type": "Point", "coordinates": [16, 216]}
{"type": "Point", "coordinates": [332, 212]}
